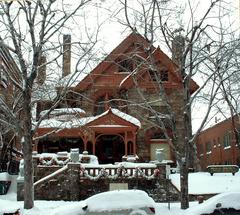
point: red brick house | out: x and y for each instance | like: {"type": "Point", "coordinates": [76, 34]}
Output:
{"type": "Point", "coordinates": [217, 144]}
{"type": "Point", "coordinates": [103, 111]}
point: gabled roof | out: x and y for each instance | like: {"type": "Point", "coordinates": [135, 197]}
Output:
{"type": "Point", "coordinates": [173, 68]}
{"type": "Point", "coordinates": [120, 49]}
{"type": "Point", "coordinates": [123, 48]}
{"type": "Point", "coordinates": [119, 114]}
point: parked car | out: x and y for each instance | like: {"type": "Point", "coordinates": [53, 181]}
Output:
{"type": "Point", "coordinates": [121, 202]}
{"type": "Point", "coordinates": [224, 203]}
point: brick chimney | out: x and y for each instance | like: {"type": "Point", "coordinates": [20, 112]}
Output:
{"type": "Point", "coordinates": [178, 45]}
{"type": "Point", "coordinates": [41, 76]}
{"type": "Point", "coordinates": [66, 55]}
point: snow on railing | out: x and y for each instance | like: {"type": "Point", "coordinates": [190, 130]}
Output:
{"type": "Point", "coordinates": [113, 173]}
{"type": "Point", "coordinates": [52, 175]}
{"type": "Point", "coordinates": [119, 172]}
{"type": "Point", "coordinates": [61, 159]}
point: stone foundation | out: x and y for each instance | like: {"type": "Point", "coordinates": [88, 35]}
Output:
{"type": "Point", "coordinates": [70, 185]}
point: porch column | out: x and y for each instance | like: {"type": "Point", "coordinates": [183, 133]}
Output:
{"type": "Point", "coordinates": [125, 143]}
{"type": "Point", "coordinates": [134, 143]}
{"type": "Point", "coordinates": [35, 145]}
{"type": "Point", "coordinates": [85, 139]}
{"type": "Point", "coordinates": [94, 144]}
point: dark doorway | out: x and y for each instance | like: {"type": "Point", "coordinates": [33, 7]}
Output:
{"type": "Point", "coordinates": [109, 149]}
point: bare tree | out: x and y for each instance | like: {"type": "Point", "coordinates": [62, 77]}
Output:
{"type": "Point", "coordinates": [31, 30]}
{"type": "Point", "coordinates": [195, 46]}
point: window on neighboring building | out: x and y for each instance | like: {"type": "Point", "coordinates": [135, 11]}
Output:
{"type": "Point", "coordinates": [214, 143]}
{"type": "Point", "coordinates": [208, 147]}
{"type": "Point", "coordinates": [227, 162]}
{"type": "Point", "coordinates": [227, 140]}
{"type": "Point", "coordinates": [219, 141]}
{"type": "Point", "coordinates": [125, 65]}
{"type": "Point", "coordinates": [200, 149]}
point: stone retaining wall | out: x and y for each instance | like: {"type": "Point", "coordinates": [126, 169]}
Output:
{"type": "Point", "coordinates": [70, 185]}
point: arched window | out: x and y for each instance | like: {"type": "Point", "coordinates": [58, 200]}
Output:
{"type": "Point", "coordinates": [112, 102]}
{"type": "Point", "coordinates": [100, 105]}
{"type": "Point", "coordinates": [158, 135]}
{"type": "Point", "coordinates": [103, 102]}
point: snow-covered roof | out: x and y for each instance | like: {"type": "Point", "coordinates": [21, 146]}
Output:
{"type": "Point", "coordinates": [78, 122]}
{"type": "Point", "coordinates": [73, 79]}
{"type": "Point", "coordinates": [126, 117]}
{"type": "Point", "coordinates": [73, 123]}
{"type": "Point", "coordinates": [60, 111]}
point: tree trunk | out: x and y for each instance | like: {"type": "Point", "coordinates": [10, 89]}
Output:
{"type": "Point", "coordinates": [184, 186]}
{"type": "Point", "coordinates": [27, 150]}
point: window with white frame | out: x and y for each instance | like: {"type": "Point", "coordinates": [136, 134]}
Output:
{"type": "Point", "coordinates": [208, 147]}
{"type": "Point", "coordinates": [227, 140]}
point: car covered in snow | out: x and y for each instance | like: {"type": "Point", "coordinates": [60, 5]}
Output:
{"type": "Point", "coordinates": [119, 202]}
{"type": "Point", "coordinates": [224, 203]}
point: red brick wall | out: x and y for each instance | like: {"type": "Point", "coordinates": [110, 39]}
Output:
{"type": "Point", "coordinates": [218, 153]}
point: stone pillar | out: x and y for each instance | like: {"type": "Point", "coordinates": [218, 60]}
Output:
{"type": "Point", "coordinates": [162, 170]}
{"type": "Point", "coordinates": [20, 182]}
{"type": "Point", "coordinates": [20, 190]}
{"type": "Point", "coordinates": [74, 177]}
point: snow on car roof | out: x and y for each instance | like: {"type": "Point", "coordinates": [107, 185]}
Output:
{"type": "Point", "coordinates": [119, 199]}
{"type": "Point", "coordinates": [227, 200]}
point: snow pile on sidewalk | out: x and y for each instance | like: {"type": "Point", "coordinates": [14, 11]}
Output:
{"type": "Point", "coordinates": [203, 183]}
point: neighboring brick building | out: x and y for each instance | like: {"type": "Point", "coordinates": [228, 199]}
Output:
{"type": "Point", "coordinates": [112, 121]}
{"type": "Point", "coordinates": [217, 144]}
{"type": "Point", "coordinates": [8, 71]}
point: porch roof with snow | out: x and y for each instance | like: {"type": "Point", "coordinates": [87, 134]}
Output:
{"type": "Point", "coordinates": [111, 120]}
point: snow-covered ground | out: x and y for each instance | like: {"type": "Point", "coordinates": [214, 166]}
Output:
{"type": "Point", "coordinates": [199, 183]}
{"type": "Point", "coordinates": [204, 183]}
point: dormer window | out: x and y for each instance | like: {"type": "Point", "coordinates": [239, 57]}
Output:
{"type": "Point", "coordinates": [125, 65]}
{"type": "Point", "coordinates": [156, 75]}
{"type": "Point", "coordinates": [153, 75]}
{"type": "Point", "coordinates": [164, 75]}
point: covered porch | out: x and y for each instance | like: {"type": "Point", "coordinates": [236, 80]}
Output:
{"type": "Point", "coordinates": [109, 136]}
